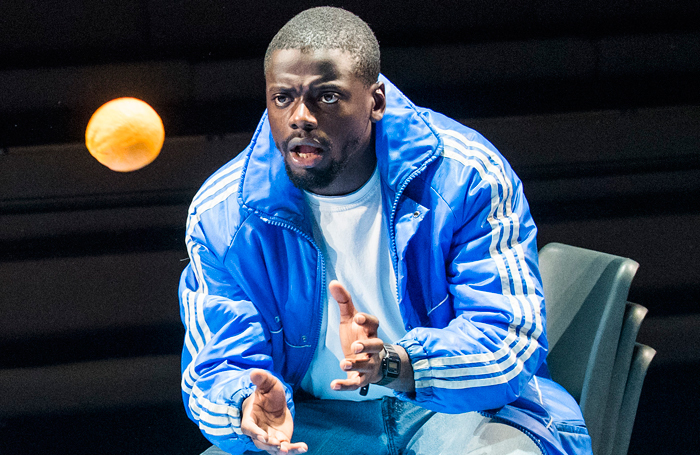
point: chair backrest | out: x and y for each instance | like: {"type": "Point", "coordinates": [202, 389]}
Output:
{"type": "Point", "coordinates": [614, 414]}
{"type": "Point", "coordinates": [585, 294]}
{"type": "Point", "coordinates": [633, 388]}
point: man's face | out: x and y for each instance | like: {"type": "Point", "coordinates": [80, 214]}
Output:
{"type": "Point", "coordinates": [321, 117]}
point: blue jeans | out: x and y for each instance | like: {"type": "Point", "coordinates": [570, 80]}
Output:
{"type": "Point", "coordinates": [393, 427]}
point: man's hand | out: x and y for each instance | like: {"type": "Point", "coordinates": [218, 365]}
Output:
{"type": "Point", "coordinates": [266, 417]}
{"type": "Point", "coordinates": [358, 338]}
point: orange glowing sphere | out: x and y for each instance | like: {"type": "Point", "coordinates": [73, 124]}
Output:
{"type": "Point", "coordinates": [125, 134]}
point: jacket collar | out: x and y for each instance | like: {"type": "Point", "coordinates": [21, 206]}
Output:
{"type": "Point", "coordinates": [404, 142]}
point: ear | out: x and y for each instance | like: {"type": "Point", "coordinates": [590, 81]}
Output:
{"type": "Point", "coordinates": [378, 101]}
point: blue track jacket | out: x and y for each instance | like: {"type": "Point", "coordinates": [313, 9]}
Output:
{"type": "Point", "coordinates": [465, 255]}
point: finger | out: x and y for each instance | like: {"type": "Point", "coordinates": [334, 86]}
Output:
{"type": "Point", "coordinates": [342, 296]}
{"type": "Point", "coordinates": [368, 321]}
{"type": "Point", "coordinates": [295, 448]}
{"type": "Point", "coordinates": [249, 428]}
{"type": "Point", "coordinates": [347, 365]}
{"type": "Point", "coordinates": [353, 382]}
{"type": "Point", "coordinates": [365, 366]}
{"type": "Point", "coordinates": [285, 447]}
{"type": "Point", "coordinates": [368, 346]}
{"type": "Point", "coordinates": [269, 448]}
{"type": "Point", "coordinates": [281, 437]}
{"type": "Point", "coordinates": [343, 385]}
{"type": "Point", "coordinates": [298, 447]}
{"type": "Point", "coordinates": [249, 425]}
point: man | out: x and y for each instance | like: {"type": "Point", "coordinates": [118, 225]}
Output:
{"type": "Point", "coordinates": [361, 240]}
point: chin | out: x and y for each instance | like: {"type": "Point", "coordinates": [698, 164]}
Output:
{"type": "Point", "coordinates": [312, 179]}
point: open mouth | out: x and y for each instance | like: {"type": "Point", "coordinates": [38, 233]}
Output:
{"type": "Point", "coordinates": [306, 155]}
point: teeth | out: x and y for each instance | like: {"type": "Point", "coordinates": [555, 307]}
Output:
{"type": "Point", "coordinates": [303, 155]}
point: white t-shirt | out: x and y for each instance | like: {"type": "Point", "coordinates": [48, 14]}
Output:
{"type": "Point", "coordinates": [352, 232]}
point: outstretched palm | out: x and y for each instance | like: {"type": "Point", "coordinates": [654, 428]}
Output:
{"type": "Point", "coordinates": [266, 417]}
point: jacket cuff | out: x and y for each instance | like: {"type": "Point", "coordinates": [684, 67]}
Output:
{"type": "Point", "coordinates": [417, 355]}
{"type": "Point", "coordinates": [238, 442]}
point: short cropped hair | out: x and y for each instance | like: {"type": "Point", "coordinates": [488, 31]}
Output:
{"type": "Point", "coordinates": [330, 28]}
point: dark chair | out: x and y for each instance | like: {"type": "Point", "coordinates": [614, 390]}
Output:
{"type": "Point", "coordinates": [592, 332]}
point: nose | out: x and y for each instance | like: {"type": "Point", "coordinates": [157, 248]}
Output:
{"type": "Point", "coordinates": [302, 118]}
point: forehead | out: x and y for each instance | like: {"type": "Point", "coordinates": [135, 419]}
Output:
{"type": "Point", "coordinates": [293, 66]}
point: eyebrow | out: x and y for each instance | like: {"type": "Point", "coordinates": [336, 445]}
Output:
{"type": "Point", "coordinates": [328, 85]}
{"type": "Point", "coordinates": [320, 85]}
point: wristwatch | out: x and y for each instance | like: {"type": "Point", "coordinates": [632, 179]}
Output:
{"type": "Point", "coordinates": [391, 365]}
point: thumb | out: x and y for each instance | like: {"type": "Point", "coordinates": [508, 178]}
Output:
{"type": "Point", "coordinates": [342, 296]}
{"type": "Point", "coordinates": [270, 391]}
{"type": "Point", "coordinates": [263, 380]}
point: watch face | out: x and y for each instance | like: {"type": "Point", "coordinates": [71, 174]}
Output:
{"type": "Point", "coordinates": [393, 366]}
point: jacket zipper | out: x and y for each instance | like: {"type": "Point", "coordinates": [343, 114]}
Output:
{"type": "Point", "coordinates": [320, 292]}
{"type": "Point", "coordinates": [392, 227]}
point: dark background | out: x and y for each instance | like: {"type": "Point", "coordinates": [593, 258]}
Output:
{"type": "Point", "coordinates": [596, 105]}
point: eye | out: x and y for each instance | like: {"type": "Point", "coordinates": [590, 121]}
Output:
{"type": "Point", "coordinates": [281, 100]}
{"type": "Point", "coordinates": [330, 98]}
